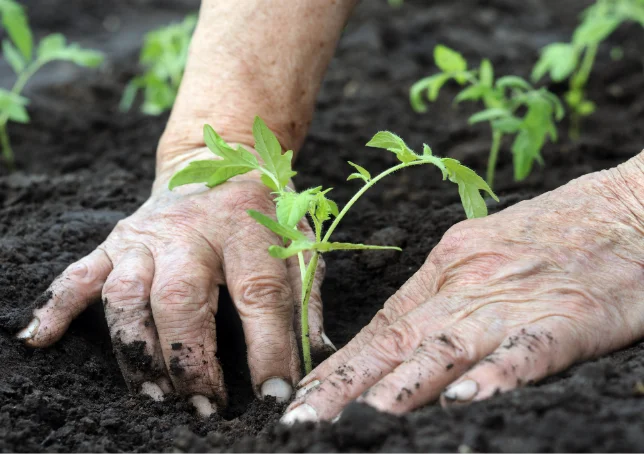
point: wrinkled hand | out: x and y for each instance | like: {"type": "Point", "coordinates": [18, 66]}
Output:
{"type": "Point", "coordinates": [158, 275]}
{"type": "Point", "coordinates": [501, 302]}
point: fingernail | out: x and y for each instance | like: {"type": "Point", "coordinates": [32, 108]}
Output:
{"type": "Point", "coordinates": [165, 385]}
{"type": "Point", "coordinates": [462, 392]}
{"type": "Point", "coordinates": [153, 390]}
{"type": "Point", "coordinates": [302, 413]}
{"type": "Point", "coordinates": [328, 342]}
{"type": "Point", "coordinates": [306, 388]}
{"type": "Point", "coordinates": [203, 405]}
{"type": "Point", "coordinates": [30, 331]}
{"type": "Point", "coordinates": [279, 388]}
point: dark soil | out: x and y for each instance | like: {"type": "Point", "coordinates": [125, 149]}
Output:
{"type": "Point", "coordinates": [83, 166]}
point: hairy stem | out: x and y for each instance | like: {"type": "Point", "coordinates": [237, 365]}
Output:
{"type": "Point", "coordinates": [364, 189]}
{"type": "Point", "coordinates": [494, 155]}
{"type": "Point", "coordinates": [307, 286]}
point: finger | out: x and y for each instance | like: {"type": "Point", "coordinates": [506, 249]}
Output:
{"type": "Point", "coordinates": [526, 356]}
{"type": "Point", "coordinates": [69, 295]}
{"type": "Point", "coordinates": [126, 300]}
{"type": "Point", "coordinates": [439, 359]}
{"type": "Point", "coordinates": [184, 296]}
{"type": "Point", "coordinates": [422, 286]}
{"type": "Point", "coordinates": [260, 289]}
{"type": "Point", "coordinates": [386, 350]}
{"type": "Point", "coordinates": [321, 345]}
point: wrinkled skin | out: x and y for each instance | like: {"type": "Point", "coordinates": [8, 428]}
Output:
{"type": "Point", "coordinates": [158, 275]}
{"type": "Point", "coordinates": [501, 302]}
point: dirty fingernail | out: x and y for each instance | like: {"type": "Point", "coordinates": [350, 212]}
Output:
{"type": "Point", "coordinates": [279, 388]}
{"type": "Point", "coordinates": [302, 413]}
{"type": "Point", "coordinates": [328, 342]}
{"type": "Point", "coordinates": [30, 331]}
{"type": "Point", "coordinates": [462, 392]}
{"type": "Point", "coordinates": [153, 390]}
{"type": "Point", "coordinates": [203, 405]}
{"type": "Point", "coordinates": [306, 388]}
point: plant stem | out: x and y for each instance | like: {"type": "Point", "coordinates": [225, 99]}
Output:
{"type": "Point", "coordinates": [307, 286]}
{"type": "Point", "coordinates": [494, 154]}
{"type": "Point", "coordinates": [7, 152]}
{"type": "Point", "coordinates": [578, 83]}
{"type": "Point", "coordinates": [364, 189]}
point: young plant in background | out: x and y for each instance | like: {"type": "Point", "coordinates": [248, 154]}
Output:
{"type": "Point", "coordinates": [18, 50]}
{"type": "Point", "coordinates": [292, 206]}
{"type": "Point", "coordinates": [512, 107]}
{"type": "Point", "coordinates": [574, 61]}
{"type": "Point", "coordinates": [164, 55]}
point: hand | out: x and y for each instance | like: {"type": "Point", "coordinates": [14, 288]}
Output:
{"type": "Point", "coordinates": [501, 302]}
{"type": "Point", "coordinates": [158, 275]}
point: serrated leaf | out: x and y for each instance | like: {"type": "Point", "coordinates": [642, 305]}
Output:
{"type": "Point", "coordinates": [364, 173]}
{"type": "Point", "coordinates": [594, 30]}
{"type": "Point", "coordinates": [449, 60]}
{"type": "Point", "coordinates": [15, 22]}
{"type": "Point", "coordinates": [469, 187]}
{"type": "Point", "coordinates": [225, 172]}
{"type": "Point", "coordinates": [472, 93]}
{"type": "Point", "coordinates": [507, 125]}
{"type": "Point", "coordinates": [513, 82]}
{"type": "Point", "coordinates": [195, 172]}
{"type": "Point", "coordinates": [275, 227]}
{"type": "Point", "coordinates": [324, 207]}
{"type": "Point", "coordinates": [270, 150]}
{"type": "Point", "coordinates": [432, 86]}
{"type": "Point", "coordinates": [54, 47]}
{"type": "Point", "coordinates": [391, 142]}
{"type": "Point", "coordinates": [489, 115]}
{"type": "Point", "coordinates": [237, 161]}
{"type": "Point", "coordinates": [293, 249]}
{"type": "Point", "coordinates": [486, 73]}
{"type": "Point", "coordinates": [557, 59]}
{"type": "Point", "coordinates": [293, 206]}
{"type": "Point", "coordinates": [13, 56]}
{"type": "Point", "coordinates": [13, 106]}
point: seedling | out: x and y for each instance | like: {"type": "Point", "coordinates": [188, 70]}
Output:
{"type": "Point", "coordinates": [164, 55]}
{"type": "Point", "coordinates": [512, 107]}
{"type": "Point", "coordinates": [575, 60]}
{"type": "Point", "coordinates": [18, 51]}
{"type": "Point", "coordinates": [292, 206]}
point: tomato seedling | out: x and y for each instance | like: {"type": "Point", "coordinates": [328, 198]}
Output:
{"type": "Point", "coordinates": [18, 51]}
{"type": "Point", "coordinates": [505, 100]}
{"type": "Point", "coordinates": [291, 206]}
{"type": "Point", "coordinates": [574, 61]}
{"type": "Point", "coordinates": [164, 55]}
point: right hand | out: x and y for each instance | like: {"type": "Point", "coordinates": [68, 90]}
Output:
{"type": "Point", "coordinates": [158, 274]}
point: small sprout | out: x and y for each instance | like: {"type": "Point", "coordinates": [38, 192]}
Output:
{"type": "Point", "coordinates": [18, 50]}
{"type": "Point", "coordinates": [164, 55]}
{"type": "Point", "coordinates": [504, 99]}
{"type": "Point", "coordinates": [291, 206]}
{"type": "Point", "coordinates": [574, 61]}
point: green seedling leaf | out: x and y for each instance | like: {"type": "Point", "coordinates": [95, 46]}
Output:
{"type": "Point", "coordinates": [391, 142]}
{"type": "Point", "coordinates": [129, 95]}
{"type": "Point", "coordinates": [469, 187]}
{"type": "Point", "coordinates": [324, 207]}
{"type": "Point", "coordinates": [472, 93]}
{"type": "Point", "coordinates": [513, 82]}
{"type": "Point", "coordinates": [557, 59]}
{"type": "Point", "coordinates": [449, 60]}
{"type": "Point", "coordinates": [54, 47]}
{"type": "Point", "coordinates": [489, 115]}
{"type": "Point", "coordinates": [195, 172]}
{"type": "Point", "coordinates": [13, 56]}
{"type": "Point", "coordinates": [275, 227]}
{"type": "Point", "coordinates": [15, 23]}
{"type": "Point", "coordinates": [507, 125]}
{"type": "Point", "coordinates": [432, 86]}
{"type": "Point", "coordinates": [239, 157]}
{"type": "Point", "coordinates": [594, 30]}
{"type": "Point", "coordinates": [362, 173]}
{"type": "Point", "coordinates": [486, 74]}
{"type": "Point", "coordinates": [270, 150]}
{"type": "Point", "coordinates": [293, 206]}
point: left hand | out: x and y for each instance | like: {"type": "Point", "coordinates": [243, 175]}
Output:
{"type": "Point", "coordinates": [501, 302]}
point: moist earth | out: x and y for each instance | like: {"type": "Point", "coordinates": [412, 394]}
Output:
{"type": "Point", "coordinates": [82, 166]}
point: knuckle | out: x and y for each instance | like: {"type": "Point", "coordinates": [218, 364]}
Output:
{"type": "Point", "coordinates": [444, 350]}
{"type": "Point", "coordinates": [125, 288]}
{"type": "Point", "coordinates": [253, 196]}
{"type": "Point", "coordinates": [397, 341]}
{"type": "Point", "coordinates": [265, 292]}
{"type": "Point", "coordinates": [176, 291]}
{"type": "Point", "coordinates": [83, 272]}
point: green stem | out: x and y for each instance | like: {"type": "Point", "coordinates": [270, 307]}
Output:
{"type": "Point", "coordinates": [577, 83]}
{"type": "Point", "coordinates": [7, 152]}
{"type": "Point", "coordinates": [307, 286]}
{"type": "Point", "coordinates": [364, 189]}
{"type": "Point", "coordinates": [494, 155]}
